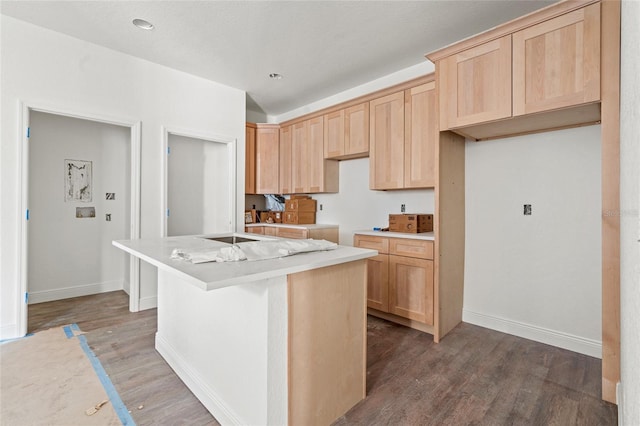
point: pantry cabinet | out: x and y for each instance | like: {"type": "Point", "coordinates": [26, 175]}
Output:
{"type": "Point", "coordinates": [400, 279]}
{"type": "Point", "coordinates": [346, 133]}
{"type": "Point", "coordinates": [532, 75]}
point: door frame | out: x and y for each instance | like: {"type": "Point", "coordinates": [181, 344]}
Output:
{"type": "Point", "coordinates": [25, 108]}
{"type": "Point", "coordinates": [164, 167]}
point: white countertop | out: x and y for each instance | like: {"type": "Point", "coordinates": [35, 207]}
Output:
{"type": "Point", "coordinates": [420, 236]}
{"type": "Point", "coordinates": [289, 225]}
{"type": "Point", "coordinates": [213, 275]}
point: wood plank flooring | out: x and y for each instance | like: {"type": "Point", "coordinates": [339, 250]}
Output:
{"type": "Point", "coordinates": [473, 376]}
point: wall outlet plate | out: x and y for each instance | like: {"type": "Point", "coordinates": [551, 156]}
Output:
{"type": "Point", "coordinates": [527, 209]}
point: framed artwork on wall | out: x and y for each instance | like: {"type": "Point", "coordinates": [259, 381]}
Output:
{"type": "Point", "coordinates": [77, 180]}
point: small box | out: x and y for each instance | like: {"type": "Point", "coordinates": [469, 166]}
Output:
{"type": "Point", "coordinates": [411, 223]}
{"type": "Point", "coordinates": [299, 218]}
{"type": "Point", "coordinates": [299, 197]}
{"type": "Point", "coordinates": [300, 205]}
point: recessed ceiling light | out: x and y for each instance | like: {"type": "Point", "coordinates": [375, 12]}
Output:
{"type": "Point", "coordinates": [275, 76]}
{"type": "Point", "coordinates": [141, 23]}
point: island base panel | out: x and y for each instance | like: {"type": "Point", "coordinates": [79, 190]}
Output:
{"type": "Point", "coordinates": [327, 342]}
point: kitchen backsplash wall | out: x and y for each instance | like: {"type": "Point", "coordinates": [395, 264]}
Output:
{"type": "Point", "coordinates": [356, 207]}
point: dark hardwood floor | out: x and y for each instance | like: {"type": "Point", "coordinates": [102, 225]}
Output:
{"type": "Point", "coordinates": [473, 376]}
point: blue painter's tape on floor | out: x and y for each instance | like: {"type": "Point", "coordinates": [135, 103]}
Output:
{"type": "Point", "coordinates": [112, 393]}
{"type": "Point", "coordinates": [67, 331]}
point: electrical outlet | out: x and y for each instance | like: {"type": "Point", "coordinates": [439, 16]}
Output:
{"type": "Point", "coordinates": [527, 209]}
{"type": "Point", "coordinates": [320, 206]}
{"type": "Point", "coordinates": [108, 217]}
{"type": "Point", "coordinates": [402, 208]}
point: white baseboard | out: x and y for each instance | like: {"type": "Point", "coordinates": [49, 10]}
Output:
{"type": "Point", "coordinates": [9, 332]}
{"type": "Point", "coordinates": [148, 303]}
{"type": "Point", "coordinates": [532, 332]}
{"type": "Point", "coordinates": [620, 402]}
{"type": "Point", "coordinates": [223, 414]}
{"type": "Point", "coordinates": [76, 291]}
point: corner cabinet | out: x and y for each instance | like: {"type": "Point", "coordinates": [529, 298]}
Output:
{"type": "Point", "coordinates": [403, 135]}
{"type": "Point", "coordinates": [250, 158]}
{"type": "Point", "coordinates": [530, 76]}
{"type": "Point", "coordinates": [400, 280]}
{"type": "Point", "coordinates": [262, 158]}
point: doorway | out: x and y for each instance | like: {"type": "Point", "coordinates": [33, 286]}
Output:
{"type": "Point", "coordinates": [200, 193]}
{"type": "Point", "coordinates": [79, 189]}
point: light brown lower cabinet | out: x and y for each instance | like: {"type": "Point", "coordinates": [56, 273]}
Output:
{"type": "Point", "coordinates": [400, 279]}
{"type": "Point", "coordinates": [282, 231]}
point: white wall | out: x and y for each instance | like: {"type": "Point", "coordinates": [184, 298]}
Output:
{"type": "Point", "coordinates": [357, 208]}
{"type": "Point", "coordinates": [536, 276]}
{"type": "Point", "coordinates": [71, 257]}
{"type": "Point", "coordinates": [629, 408]}
{"type": "Point", "coordinates": [41, 66]}
{"type": "Point", "coordinates": [198, 187]}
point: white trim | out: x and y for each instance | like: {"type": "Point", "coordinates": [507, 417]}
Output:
{"type": "Point", "coordinates": [164, 162]}
{"type": "Point", "coordinates": [148, 303]}
{"type": "Point", "coordinates": [532, 332]}
{"type": "Point", "coordinates": [200, 389]}
{"type": "Point", "coordinates": [68, 292]}
{"type": "Point", "coordinates": [620, 403]}
{"type": "Point", "coordinates": [25, 107]}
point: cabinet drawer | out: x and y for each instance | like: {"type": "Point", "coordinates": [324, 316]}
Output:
{"type": "Point", "coordinates": [373, 243]}
{"type": "Point", "coordinates": [420, 249]}
{"type": "Point", "coordinates": [255, 229]}
{"type": "Point", "coordinates": [268, 230]}
{"type": "Point", "coordinates": [292, 233]}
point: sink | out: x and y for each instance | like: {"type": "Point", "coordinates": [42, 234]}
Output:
{"type": "Point", "coordinates": [232, 239]}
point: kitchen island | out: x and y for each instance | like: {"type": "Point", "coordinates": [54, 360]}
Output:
{"type": "Point", "coordinates": [266, 342]}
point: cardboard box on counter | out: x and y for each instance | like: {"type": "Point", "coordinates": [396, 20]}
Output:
{"type": "Point", "coordinates": [411, 223]}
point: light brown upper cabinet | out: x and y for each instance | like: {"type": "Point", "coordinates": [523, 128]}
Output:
{"type": "Point", "coordinates": [262, 158]}
{"type": "Point", "coordinates": [267, 158]}
{"type": "Point", "coordinates": [346, 133]}
{"type": "Point", "coordinates": [250, 158]}
{"type": "Point", "coordinates": [421, 135]}
{"type": "Point", "coordinates": [403, 134]}
{"type": "Point", "coordinates": [556, 63]}
{"type": "Point", "coordinates": [285, 161]}
{"type": "Point", "coordinates": [310, 172]}
{"type": "Point", "coordinates": [386, 155]}
{"type": "Point", "coordinates": [539, 72]}
{"type": "Point", "coordinates": [475, 84]}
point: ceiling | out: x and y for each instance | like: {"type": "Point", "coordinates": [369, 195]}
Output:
{"type": "Point", "coordinates": [320, 47]}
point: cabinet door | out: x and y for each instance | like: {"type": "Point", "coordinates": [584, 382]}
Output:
{"type": "Point", "coordinates": [254, 229]}
{"type": "Point", "coordinates": [295, 233]}
{"type": "Point", "coordinates": [411, 288]}
{"type": "Point", "coordinates": [299, 155]}
{"type": "Point", "coordinates": [356, 131]}
{"type": "Point", "coordinates": [475, 85]}
{"type": "Point", "coordinates": [334, 134]}
{"type": "Point", "coordinates": [285, 161]}
{"type": "Point", "coordinates": [556, 63]}
{"type": "Point", "coordinates": [378, 282]}
{"type": "Point", "coordinates": [250, 159]}
{"type": "Point", "coordinates": [421, 135]}
{"type": "Point", "coordinates": [315, 162]}
{"type": "Point", "coordinates": [386, 123]}
{"type": "Point", "coordinates": [267, 160]}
